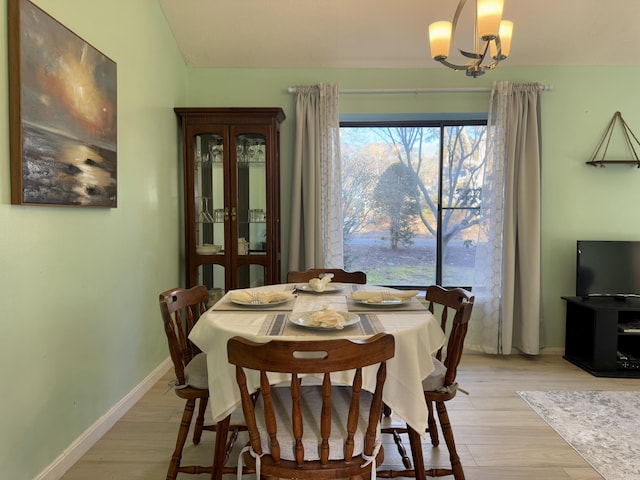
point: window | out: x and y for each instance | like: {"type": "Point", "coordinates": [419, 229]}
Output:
{"type": "Point", "coordinates": [411, 200]}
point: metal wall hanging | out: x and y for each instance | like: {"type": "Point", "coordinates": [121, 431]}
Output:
{"type": "Point", "coordinates": [606, 139]}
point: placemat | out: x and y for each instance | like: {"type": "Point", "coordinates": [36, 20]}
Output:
{"type": "Point", "coordinates": [413, 305]}
{"type": "Point", "coordinates": [225, 304]}
{"type": "Point", "coordinates": [280, 326]}
{"type": "Point", "coordinates": [353, 306]}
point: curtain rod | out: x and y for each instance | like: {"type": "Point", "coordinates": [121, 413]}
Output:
{"type": "Point", "coordinates": [419, 90]}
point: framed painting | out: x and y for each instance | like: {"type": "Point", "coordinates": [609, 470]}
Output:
{"type": "Point", "coordinates": [62, 114]}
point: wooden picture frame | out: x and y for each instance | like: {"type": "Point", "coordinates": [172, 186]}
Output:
{"type": "Point", "coordinates": [62, 114]}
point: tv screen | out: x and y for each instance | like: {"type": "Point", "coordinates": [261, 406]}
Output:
{"type": "Point", "coordinates": [608, 268]}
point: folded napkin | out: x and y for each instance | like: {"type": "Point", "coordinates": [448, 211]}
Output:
{"type": "Point", "coordinates": [320, 284]}
{"type": "Point", "coordinates": [386, 295]}
{"type": "Point", "coordinates": [327, 318]}
{"type": "Point", "coordinates": [271, 297]}
{"type": "Point", "coordinates": [263, 296]}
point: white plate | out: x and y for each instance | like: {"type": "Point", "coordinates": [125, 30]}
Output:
{"type": "Point", "coordinates": [208, 249]}
{"type": "Point", "coordinates": [385, 303]}
{"type": "Point", "coordinates": [329, 289]}
{"type": "Point", "coordinates": [304, 320]}
{"type": "Point", "coordinates": [249, 304]}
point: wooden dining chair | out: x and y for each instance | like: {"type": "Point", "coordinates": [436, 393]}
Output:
{"type": "Point", "coordinates": [312, 431]}
{"type": "Point", "coordinates": [181, 309]}
{"type": "Point", "coordinates": [440, 386]}
{"type": "Point", "coordinates": [339, 275]}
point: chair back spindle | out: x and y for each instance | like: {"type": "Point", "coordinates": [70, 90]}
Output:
{"type": "Point", "coordinates": [286, 446]}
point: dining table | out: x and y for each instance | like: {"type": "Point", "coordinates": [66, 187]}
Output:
{"type": "Point", "coordinates": [416, 331]}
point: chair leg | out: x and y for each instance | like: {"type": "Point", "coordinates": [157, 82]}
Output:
{"type": "Point", "coordinates": [386, 410]}
{"type": "Point", "coordinates": [222, 432]}
{"type": "Point", "coordinates": [416, 452]}
{"type": "Point", "coordinates": [197, 431]}
{"type": "Point", "coordinates": [447, 433]}
{"type": "Point", "coordinates": [183, 432]}
{"type": "Point", "coordinates": [432, 427]}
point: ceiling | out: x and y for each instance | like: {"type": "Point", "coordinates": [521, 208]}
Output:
{"type": "Point", "coordinates": [393, 34]}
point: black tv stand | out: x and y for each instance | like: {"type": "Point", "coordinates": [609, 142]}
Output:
{"type": "Point", "coordinates": [594, 337]}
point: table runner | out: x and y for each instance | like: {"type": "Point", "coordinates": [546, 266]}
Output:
{"type": "Point", "coordinates": [414, 305]}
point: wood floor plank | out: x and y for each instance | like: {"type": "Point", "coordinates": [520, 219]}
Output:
{"type": "Point", "coordinates": [499, 437]}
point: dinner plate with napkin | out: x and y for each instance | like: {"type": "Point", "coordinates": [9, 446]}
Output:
{"type": "Point", "coordinates": [259, 297]}
{"type": "Point", "coordinates": [383, 296]}
{"type": "Point", "coordinates": [365, 300]}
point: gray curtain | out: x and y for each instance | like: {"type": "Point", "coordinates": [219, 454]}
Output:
{"type": "Point", "coordinates": [508, 312]}
{"type": "Point", "coordinates": [316, 202]}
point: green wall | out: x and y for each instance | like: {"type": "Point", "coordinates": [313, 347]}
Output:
{"type": "Point", "coordinates": [81, 326]}
{"type": "Point", "coordinates": [578, 201]}
{"type": "Point", "coordinates": [80, 320]}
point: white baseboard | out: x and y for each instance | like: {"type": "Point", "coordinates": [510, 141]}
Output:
{"type": "Point", "coordinates": [89, 437]}
{"type": "Point", "coordinates": [552, 351]}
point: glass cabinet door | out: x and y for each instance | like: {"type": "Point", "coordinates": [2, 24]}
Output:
{"type": "Point", "coordinates": [231, 196]}
{"type": "Point", "coordinates": [252, 275]}
{"type": "Point", "coordinates": [210, 208]}
{"type": "Point", "coordinates": [252, 207]}
{"type": "Point", "coordinates": [212, 276]}
{"type": "Point", "coordinates": [252, 196]}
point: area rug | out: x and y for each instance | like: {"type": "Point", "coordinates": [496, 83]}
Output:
{"type": "Point", "coordinates": [603, 427]}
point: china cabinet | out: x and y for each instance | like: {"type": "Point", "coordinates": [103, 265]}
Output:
{"type": "Point", "coordinates": [231, 196]}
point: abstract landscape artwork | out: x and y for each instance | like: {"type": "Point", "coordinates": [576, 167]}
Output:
{"type": "Point", "coordinates": [63, 112]}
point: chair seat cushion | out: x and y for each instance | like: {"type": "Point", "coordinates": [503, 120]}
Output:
{"type": "Point", "coordinates": [195, 372]}
{"type": "Point", "coordinates": [435, 380]}
{"type": "Point", "coordinates": [311, 405]}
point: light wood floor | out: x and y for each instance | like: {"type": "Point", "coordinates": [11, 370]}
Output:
{"type": "Point", "coordinates": [498, 436]}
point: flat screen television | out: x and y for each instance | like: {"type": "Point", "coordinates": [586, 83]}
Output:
{"type": "Point", "coordinates": [608, 269]}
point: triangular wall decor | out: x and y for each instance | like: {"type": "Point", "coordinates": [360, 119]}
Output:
{"type": "Point", "coordinates": [604, 142]}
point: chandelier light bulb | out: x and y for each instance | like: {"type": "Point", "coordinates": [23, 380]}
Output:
{"type": "Point", "coordinates": [506, 32]}
{"type": "Point", "coordinates": [489, 17]}
{"type": "Point", "coordinates": [440, 39]}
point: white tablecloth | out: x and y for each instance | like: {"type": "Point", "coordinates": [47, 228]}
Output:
{"type": "Point", "coordinates": [417, 335]}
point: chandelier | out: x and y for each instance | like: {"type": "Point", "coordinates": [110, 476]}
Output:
{"type": "Point", "coordinates": [491, 34]}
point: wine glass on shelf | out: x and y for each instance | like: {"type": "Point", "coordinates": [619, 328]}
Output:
{"type": "Point", "coordinates": [202, 159]}
{"type": "Point", "coordinates": [241, 149]}
{"type": "Point", "coordinates": [204, 216]}
{"type": "Point", "coordinates": [215, 151]}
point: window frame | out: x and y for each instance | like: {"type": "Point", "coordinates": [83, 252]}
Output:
{"type": "Point", "coordinates": [451, 121]}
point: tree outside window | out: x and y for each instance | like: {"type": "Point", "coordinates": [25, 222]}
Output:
{"type": "Point", "coordinates": [411, 199]}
